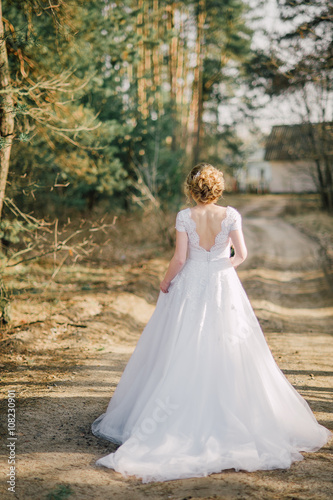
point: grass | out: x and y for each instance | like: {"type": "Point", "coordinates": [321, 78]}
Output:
{"type": "Point", "coordinates": [62, 492]}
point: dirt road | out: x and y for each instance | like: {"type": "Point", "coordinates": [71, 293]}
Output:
{"type": "Point", "coordinates": [65, 366]}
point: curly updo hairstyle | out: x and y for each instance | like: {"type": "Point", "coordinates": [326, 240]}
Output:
{"type": "Point", "coordinates": [205, 183]}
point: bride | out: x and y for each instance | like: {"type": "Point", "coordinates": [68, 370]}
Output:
{"type": "Point", "coordinates": [202, 392]}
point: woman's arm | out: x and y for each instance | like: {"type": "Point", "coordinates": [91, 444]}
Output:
{"type": "Point", "coordinates": [177, 261]}
{"type": "Point", "coordinates": [238, 243]}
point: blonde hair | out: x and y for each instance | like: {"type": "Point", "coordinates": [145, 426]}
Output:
{"type": "Point", "coordinates": [204, 183]}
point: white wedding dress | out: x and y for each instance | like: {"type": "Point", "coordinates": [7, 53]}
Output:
{"type": "Point", "coordinates": [202, 392]}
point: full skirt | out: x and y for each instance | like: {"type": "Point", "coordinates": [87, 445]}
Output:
{"type": "Point", "coordinates": [201, 392]}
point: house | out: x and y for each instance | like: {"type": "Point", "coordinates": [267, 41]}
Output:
{"type": "Point", "coordinates": [286, 164]}
{"type": "Point", "coordinates": [289, 151]}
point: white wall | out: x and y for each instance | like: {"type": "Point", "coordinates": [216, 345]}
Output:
{"type": "Point", "coordinates": [291, 177]}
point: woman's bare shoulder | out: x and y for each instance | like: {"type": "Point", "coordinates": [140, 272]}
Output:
{"type": "Point", "coordinates": [221, 211]}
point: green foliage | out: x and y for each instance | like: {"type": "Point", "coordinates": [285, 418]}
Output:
{"type": "Point", "coordinates": [3, 143]}
{"type": "Point", "coordinates": [87, 140]}
{"type": "Point", "coordinates": [62, 492]}
{"type": "Point", "coordinates": [5, 307]}
{"type": "Point", "coordinates": [11, 230]}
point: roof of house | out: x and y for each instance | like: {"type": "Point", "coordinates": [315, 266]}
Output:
{"type": "Point", "coordinates": [298, 142]}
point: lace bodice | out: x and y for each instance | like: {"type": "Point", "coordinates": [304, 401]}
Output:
{"type": "Point", "coordinates": [221, 247]}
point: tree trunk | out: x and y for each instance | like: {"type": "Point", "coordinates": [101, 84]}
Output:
{"type": "Point", "coordinates": [173, 55]}
{"type": "Point", "coordinates": [199, 108]}
{"type": "Point", "coordinates": [329, 184]}
{"type": "Point", "coordinates": [6, 114]}
{"type": "Point", "coordinates": [157, 67]}
{"type": "Point", "coordinates": [195, 121]}
{"type": "Point", "coordinates": [140, 67]}
{"type": "Point", "coordinates": [320, 170]}
{"type": "Point", "coordinates": [321, 185]}
{"type": "Point", "coordinates": [326, 139]}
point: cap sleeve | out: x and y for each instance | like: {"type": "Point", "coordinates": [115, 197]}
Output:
{"type": "Point", "coordinates": [236, 221]}
{"type": "Point", "coordinates": [180, 225]}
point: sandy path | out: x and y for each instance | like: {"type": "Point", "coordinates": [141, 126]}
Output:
{"type": "Point", "coordinates": [65, 369]}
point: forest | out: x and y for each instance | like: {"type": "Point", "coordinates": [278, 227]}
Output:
{"type": "Point", "coordinates": [113, 101]}
{"type": "Point", "coordinates": [105, 106]}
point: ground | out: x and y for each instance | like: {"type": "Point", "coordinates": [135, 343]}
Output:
{"type": "Point", "coordinates": [70, 339]}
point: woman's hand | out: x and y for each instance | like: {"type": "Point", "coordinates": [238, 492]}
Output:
{"type": "Point", "coordinates": [164, 286]}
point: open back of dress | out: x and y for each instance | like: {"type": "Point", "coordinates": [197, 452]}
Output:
{"type": "Point", "coordinates": [208, 227]}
